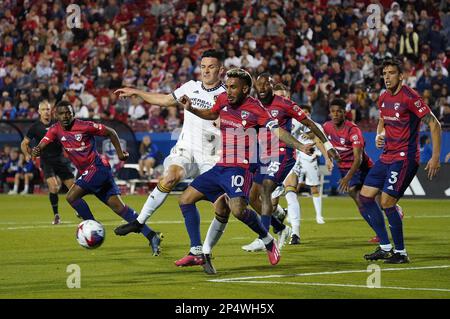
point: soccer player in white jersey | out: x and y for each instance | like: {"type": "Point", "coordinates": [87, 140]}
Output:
{"type": "Point", "coordinates": [199, 140]}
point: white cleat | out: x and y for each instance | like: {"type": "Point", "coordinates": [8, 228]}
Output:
{"type": "Point", "coordinates": [256, 245]}
{"type": "Point", "coordinates": [12, 192]}
{"type": "Point", "coordinates": [24, 193]}
{"type": "Point", "coordinates": [283, 236]}
{"type": "Point", "coordinates": [320, 220]}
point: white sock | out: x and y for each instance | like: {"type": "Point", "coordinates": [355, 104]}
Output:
{"type": "Point", "coordinates": [154, 200]}
{"type": "Point", "coordinates": [197, 250]}
{"type": "Point", "coordinates": [279, 210]}
{"type": "Point", "coordinates": [16, 188]}
{"type": "Point", "coordinates": [215, 231]}
{"type": "Point", "coordinates": [266, 240]}
{"type": "Point", "coordinates": [293, 212]}
{"type": "Point", "coordinates": [318, 205]}
{"type": "Point", "coordinates": [386, 247]}
{"type": "Point", "coordinates": [26, 188]}
{"type": "Point", "coordinates": [401, 252]}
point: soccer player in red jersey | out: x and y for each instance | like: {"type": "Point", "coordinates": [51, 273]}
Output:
{"type": "Point", "coordinates": [95, 177]}
{"type": "Point", "coordinates": [240, 118]}
{"type": "Point", "coordinates": [401, 111]}
{"type": "Point", "coordinates": [355, 164]}
{"type": "Point", "coordinates": [275, 167]}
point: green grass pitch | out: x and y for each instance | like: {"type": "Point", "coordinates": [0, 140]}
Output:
{"type": "Point", "coordinates": [35, 255]}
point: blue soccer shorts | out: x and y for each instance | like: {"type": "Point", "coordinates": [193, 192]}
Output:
{"type": "Point", "coordinates": [98, 180]}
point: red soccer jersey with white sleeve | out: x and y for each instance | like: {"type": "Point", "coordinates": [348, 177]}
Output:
{"type": "Point", "coordinates": [401, 114]}
{"type": "Point", "coordinates": [284, 110]}
{"type": "Point", "coordinates": [78, 142]}
{"type": "Point", "coordinates": [344, 140]}
{"type": "Point", "coordinates": [240, 125]}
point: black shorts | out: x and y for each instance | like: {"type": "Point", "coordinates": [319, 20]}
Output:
{"type": "Point", "coordinates": [59, 166]}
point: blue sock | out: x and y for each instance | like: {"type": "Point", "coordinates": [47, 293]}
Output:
{"type": "Point", "coordinates": [82, 209]}
{"type": "Point", "coordinates": [276, 224]}
{"type": "Point", "coordinates": [130, 215]}
{"type": "Point", "coordinates": [376, 218]}
{"type": "Point", "coordinates": [250, 218]}
{"type": "Point", "coordinates": [265, 220]}
{"type": "Point", "coordinates": [365, 215]}
{"type": "Point", "coordinates": [192, 222]}
{"type": "Point", "coordinates": [396, 226]}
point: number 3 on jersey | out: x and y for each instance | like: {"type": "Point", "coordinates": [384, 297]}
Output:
{"type": "Point", "coordinates": [393, 178]}
{"type": "Point", "coordinates": [237, 181]}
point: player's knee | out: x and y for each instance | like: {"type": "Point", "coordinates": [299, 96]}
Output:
{"type": "Point", "coordinates": [185, 199]}
{"type": "Point", "coordinates": [387, 202]}
{"type": "Point", "coordinates": [170, 180]}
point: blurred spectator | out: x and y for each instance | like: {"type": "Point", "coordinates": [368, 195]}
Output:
{"type": "Point", "coordinates": [156, 121]}
{"type": "Point", "coordinates": [395, 11]}
{"type": "Point", "coordinates": [149, 153]}
{"type": "Point", "coordinates": [409, 43]}
{"type": "Point", "coordinates": [136, 111]}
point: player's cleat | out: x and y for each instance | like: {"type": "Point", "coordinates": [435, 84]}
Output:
{"type": "Point", "coordinates": [400, 211]}
{"type": "Point", "coordinates": [379, 254]}
{"type": "Point", "coordinates": [256, 245]}
{"type": "Point", "coordinates": [374, 240]}
{"type": "Point", "coordinates": [155, 243]}
{"type": "Point", "coordinates": [190, 260]}
{"type": "Point", "coordinates": [12, 192]}
{"type": "Point", "coordinates": [24, 192]}
{"type": "Point", "coordinates": [273, 252]}
{"type": "Point", "coordinates": [283, 236]}
{"type": "Point", "coordinates": [397, 258]}
{"type": "Point", "coordinates": [295, 240]}
{"type": "Point", "coordinates": [320, 220]}
{"type": "Point", "coordinates": [208, 266]}
{"type": "Point", "coordinates": [56, 220]}
{"type": "Point", "coordinates": [132, 227]}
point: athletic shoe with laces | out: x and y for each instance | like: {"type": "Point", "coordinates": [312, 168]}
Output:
{"type": "Point", "coordinates": [256, 245]}
{"type": "Point", "coordinates": [191, 260]}
{"type": "Point", "coordinates": [12, 192]}
{"type": "Point", "coordinates": [374, 240]}
{"type": "Point", "coordinates": [56, 220]}
{"type": "Point", "coordinates": [132, 227]}
{"type": "Point", "coordinates": [295, 240]}
{"type": "Point", "coordinates": [273, 252]}
{"type": "Point", "coordinates": [155, 243]}
{"type": "Point", "coordinates": [379, 254]}
{"type": "Point", "coordinates": [280, 216]}
{"type": "Point", "coordinates": [283, 236]}
{"type": "Point", "coordinates": [208, 266]}
{"type": "Point", "coordinates": [397, 258]}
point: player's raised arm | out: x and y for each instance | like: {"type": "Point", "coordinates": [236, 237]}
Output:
{"type": "Point", "coordinates": [112, 135]}
{"type": "Point", "coordinates": [166, 100]}
{"type": "Point", "coordinates": [331, 151]}
{"type": "Point", "coordinates": [433, 164]}
{"type": "Point", "coordinates": [206, 114]}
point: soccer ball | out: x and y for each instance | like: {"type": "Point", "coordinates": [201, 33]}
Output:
{"type": "Point", "coordinates": [90, 234]}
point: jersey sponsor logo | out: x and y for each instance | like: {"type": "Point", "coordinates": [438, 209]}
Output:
{"type": "Point", "coordinates": [390, 118]}
{"type": "Point", "coordinates": [78, 137]}
{"type": "Point", "coordinates": [244, 114]}
{"type": "Point", "coordinates": [274, 113]}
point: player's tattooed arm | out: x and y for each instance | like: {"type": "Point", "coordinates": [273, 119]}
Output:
{"type": "Point", "coordinates": [433, 164]}
{"type": "Point", "coordinates": [206, 114]}
{"type": "Point", "coordinates": [291, 141]}
{"type": "Point", "coordinates": [112, 134]}
{"type": "Point", "coordinates": [332, 153]}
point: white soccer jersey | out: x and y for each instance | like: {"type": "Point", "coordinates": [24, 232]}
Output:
{"type": "Point", "coordinates": [300, 132]}
{"type": "Point", "coordinates": [197, 134]}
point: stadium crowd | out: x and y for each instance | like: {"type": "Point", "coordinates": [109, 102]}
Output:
{"type": "Point", "coordinates": [319, 49]}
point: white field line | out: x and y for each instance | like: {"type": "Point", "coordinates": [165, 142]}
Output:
{"type": "Point", "coordinates": [239, 279]}
{"type": "Point", "coordinates": [335, 285]}
{"type": "Point", "coordinates": [69, 223]}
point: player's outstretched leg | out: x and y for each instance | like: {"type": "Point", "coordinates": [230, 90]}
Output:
{"type": "Point", "coordinates": [127, 213]}
{"type": "Point", "coordinates": [74, 198]}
